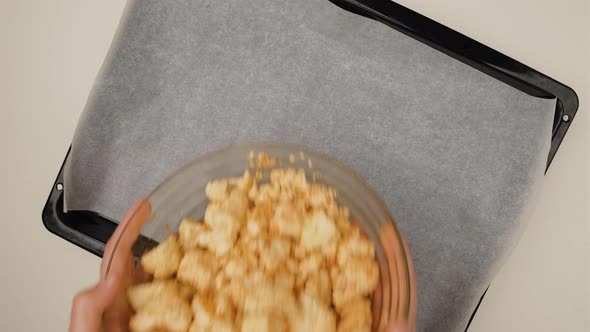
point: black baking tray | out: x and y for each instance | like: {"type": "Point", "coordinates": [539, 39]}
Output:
{"type": "Point", "coordinates": [90, 231]}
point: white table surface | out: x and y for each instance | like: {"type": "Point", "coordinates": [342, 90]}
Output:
{"type": "Point", "coordinates": [51, 51]}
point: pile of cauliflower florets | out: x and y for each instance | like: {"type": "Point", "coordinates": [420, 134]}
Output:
{"type": "Point", "coordinates": [279, 256]}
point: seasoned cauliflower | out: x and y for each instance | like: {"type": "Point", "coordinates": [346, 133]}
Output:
{"type": "Point", "coordinates": [217, 242]}
{"type": "Point", "coordinates": [260, 299]}
{"type": "Point", "coordinates": [315, 315]}
{"type": "Point", "coordinates": [170, 314]}
{"type": "Point", "coordinates": [189, 233]}
{"type": "Point", "coordinates": [275, 253]}
{"type": "Point", "coordinates": [355, 316]}
{"type": "Point", "coordinates": [223, 306]}
{"type": "Point", "coordinates": [235, 268]}
{"type": "Point", "coordinates": [237, 204]}
{"type": "Point", "coordinates": [221, 220]}
{"type": "Point", "coordinates": [264, 194]}
{"type": "Point", "coordinates": [243, 183]}
{"type": "Point", "coordinates": [141, 294]}
{"type": "Point", "coordinates": [289, 179]}
{"type": "Point", "coordinates": [222, 325]}
{"type": "Point", "coordinates": [257, 220]}
{"type": "Point", "coordinates": [203, 310]}
{"type": "Point", "coordinates": [354, 245]}
{"type": "Point", "coordinates": [286, 221]}
{"type": "Point", "coordinates": [284, 280]}
{"type": "Point", "coordinates": [319, 285]}
{"type": "Point", "coordinates": [308, 266]}
{"type": "Point", "coordinates": [358, 277]}
{"type": "Point", "coordinates": [163, 260]}
{"type": "Point", "coordinates": [318, 230]}
{"type": "Point", "coordinates": [264, 323]}
{"type": "Point", "coordinates": [217, 190]}
{"type": "Point", "coordinates": [320, 196]}
{"type": "Point", "coordinates": [186, 291]}
{"type": "Point", "coordinates": [198, 268]}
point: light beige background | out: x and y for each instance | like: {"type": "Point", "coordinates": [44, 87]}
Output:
{"type": "Point", "coordinates": [51, 51]}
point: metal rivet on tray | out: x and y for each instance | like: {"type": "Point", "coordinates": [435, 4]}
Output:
{"type": "Point", "coordinates": [59, 187]}
{"type": "Point", "coordinates": [565, 118]}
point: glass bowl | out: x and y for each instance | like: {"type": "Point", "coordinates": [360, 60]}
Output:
{"type": "Point", "coordinates": [183, 195]}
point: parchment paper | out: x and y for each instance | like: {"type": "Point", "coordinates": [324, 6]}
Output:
{"type": "Point", "coordinates": [456, 154]}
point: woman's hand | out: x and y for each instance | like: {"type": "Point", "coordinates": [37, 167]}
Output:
{"type": "Point", "coordinates": [104, 307]}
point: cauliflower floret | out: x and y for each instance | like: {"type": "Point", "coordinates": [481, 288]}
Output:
{"type": "Point", "coordinates": [196, 327]}
{"type": "Point", "coordinates": [284, 304]}
{"type": "Point", "coordinates": [189, 232]}
{"type": "Point", "coordinates": [284, 280]}
{"type": "Point", "coordinates": [320, 196]}
{"type": "Point", "coordinates": [221, 220]}
{"type": "Point", "coordinates": [286, 221]}
{"type": "Point", "coordinates": [291, 265]}
{"type": "Point", "coordinates": [355, 245]}
{"type": "Point", "coordinates": [237, 292]}
{"type": "Point", "coordinates": [277, 251]}
{"type": "Point", "coordinates": [198, 269]}
{"type": "Point", "coordinates": [217, 325]}
{"type": "Point", "coordinates": [315, 316]}
{"type": "Point", "coordinates": [220, 282]}
{"type": "Point", "coordinates": [240, 288]}
{"type": "Point", "coordinates": [203, 311]}
{"type": "Point", "coordinates": [253, 192]}
{"type": "Point", "coordinates": [223, 306]}
{"type": "Point", "coordinates": [358, 277]}
{"type": "Point", "coordinates": [222, 325]}
{"type": "Point", "coordinates": [289, 179]}
{"type": "Point", "coordinates": [246, 247]}
{"type": "Point", "coordinates": [343, 224]}
{"type": "Point", "coordinates": [317, 230]}
{"type": "Point", "coordinates": [257, 220]}
{"type": "Point", "coordinates": [237, 204]}
{"type": "Point", "coordinates": [264, 194]}
{"type": "Point", "coordinates": [224, 230]}
{"type": "Point", "coordinates": [356, 316]}
{"type": "Point", "coordinates": [243, 183]}
{"type": "Point", "coordinates": [298, 252]}
{"type": "Point", "coordinates": [254, 228]}
{"type": "Point", "coordinates": [217, 242]}
{"type": "Point", "coordinates": [141, 294]}
{"type": "Point", "coordinates": [251, 245]}
{"type": "Point", "coordinates": [260, 299]}
{"type": "Point", "coordinates": [217, 190]}
{"type": "Point", "coordinates": [171, 314]}
{"type": "Point", "coordinates": [235, 201]}
{"type": "Point", "coordinates": [186, 291]}
{"type": "Point", "coordinates": [308, 266]}
{"type": "Point", "coordinates": [235, 268]}
{"type": "Point", "coordinates": [329, 250]}
{"type": "Point", "coordinates": [264, 323]}
{"type": "Point", "coordinates": [163, 260]}
{"type": "Point", "coordinates": [319, 286]}
{"type": "Point", "coordinates": [263, 160]}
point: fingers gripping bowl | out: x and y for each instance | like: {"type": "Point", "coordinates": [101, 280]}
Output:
{"type": "Point", "coordinates": [183, 199]}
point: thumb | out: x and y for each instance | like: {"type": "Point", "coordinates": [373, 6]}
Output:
{"type": "Point", "coordinates": [89, 305]}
